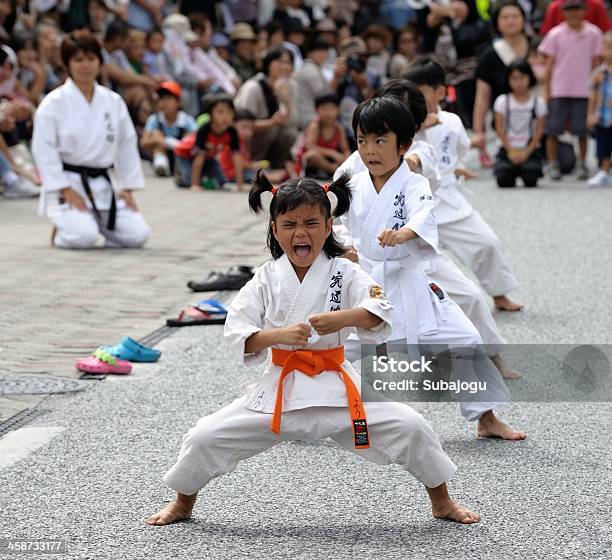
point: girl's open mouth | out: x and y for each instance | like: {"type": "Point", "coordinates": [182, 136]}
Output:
{"type": "Point", "coordinates": [302, 250]}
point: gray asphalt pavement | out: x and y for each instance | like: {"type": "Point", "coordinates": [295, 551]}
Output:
{"type": "Point", "coordinates": [547, 497]}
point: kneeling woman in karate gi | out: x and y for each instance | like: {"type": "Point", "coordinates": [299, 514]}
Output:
{"type": "Point", "coordinates": [392, 226]}
{"type": "Point", "coordinates": [303, 304]}
{"type": "Point", "coordinates": [86, 150]}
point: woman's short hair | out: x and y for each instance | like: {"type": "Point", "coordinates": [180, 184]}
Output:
{"type": "Point", "coordinates": [80, 41]}
{"type": "Point", "coordinates": [275, 53]}
{"type": "Point", "coordinates": [498, 9]}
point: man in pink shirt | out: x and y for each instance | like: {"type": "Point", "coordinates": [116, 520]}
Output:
{"type": "Point", "coordinates": [573, 49]}
{"type": "Point", "coordinates": [596, 14]}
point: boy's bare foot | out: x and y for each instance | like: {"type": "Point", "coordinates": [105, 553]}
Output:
{"type": "Point", "coordinates": [454, 511]}
{"type": "Point", "coordinates": [489, 426]}
{"type": "Point", "coordinates": [505, 370]}
{"type": "Point", "coordinates": [178, 509]}
{"type": "Point", "coordinates": [504, 303]}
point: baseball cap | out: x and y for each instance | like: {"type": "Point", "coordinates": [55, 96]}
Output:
{"type": "Point", "coordinates": [171, 87]}
{"type": "Point", "coordinates": [568, 4]}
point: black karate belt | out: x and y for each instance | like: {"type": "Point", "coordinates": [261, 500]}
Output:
{"type": "Point", "coordinates": [93, 173]}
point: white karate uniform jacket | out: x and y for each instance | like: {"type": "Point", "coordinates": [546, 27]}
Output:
{"type": "Point", "coordinates": [451, 144]}
{"type": "Point", "coordinates": [67, 128]}
{"type": "Point", "coordinates": [275, 298]}
{"type": "Point", "coordinates": [405, 200]}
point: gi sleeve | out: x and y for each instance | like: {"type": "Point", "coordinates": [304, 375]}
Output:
{"type": "Point", "coordinates": [127, 163]}
{"type": "Point", "coordinates": [421, 219]}
{"type": "Point", "coordinates": [45, 148]}
{"type": "Point", "coordinates": [463, 144]}
{"type": "Point", "coordinates": [246, 317]}
{"type": "Point", "coordinates": [365, 293]}
{"type": "Point", "coordinates": [429, 162]}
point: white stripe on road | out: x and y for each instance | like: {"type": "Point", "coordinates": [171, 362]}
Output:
{"type": "Point", "coordinates": [18, 444]}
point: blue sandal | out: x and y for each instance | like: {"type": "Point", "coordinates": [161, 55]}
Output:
{"type": "Point", "coordinates": [132, 351]}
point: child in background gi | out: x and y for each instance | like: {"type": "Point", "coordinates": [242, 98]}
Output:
{"type": "Point", "coordinates": [303, 304]}
{"type": "Point", "coordinates": [421, 158]}
{"type": "Point", "coordinates": [600, 114]}
{"type": "Point", "coordinates": [324, 145]}
{"type": "Point", "coordinates": [572, 49]}
{"type": "Point", "coordinates": [519, 123]}
{"type": "Point", "coordinates": [165, 128]}
{"type": "Point", "coordinates": [212, 139]}
{"type": "Point", "coordinates": [392, 226]}
{"type": "Point", "coordinates": [462, 230]}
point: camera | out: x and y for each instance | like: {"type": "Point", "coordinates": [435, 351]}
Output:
{"type": "Point", "coordinates": [356, 63]}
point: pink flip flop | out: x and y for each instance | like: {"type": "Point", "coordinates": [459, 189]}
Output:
{"type": "Point", "coordinates": [103, 362]}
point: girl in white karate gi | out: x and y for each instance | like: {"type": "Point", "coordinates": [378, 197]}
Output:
{"type": "Point", "coordinates": [86, 150]}
{"type": "Point", "coordinates": [462, 230]}
{"type": "Point", "coordinates": [421, 158]}
{"type": "Point", "coordinates": [302, 305]}
{"type": "Point", "coordinates": [393, 229]}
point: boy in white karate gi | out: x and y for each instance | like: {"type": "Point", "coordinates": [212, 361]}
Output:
{"type": "Point", "coordinates": [421, 158]}
{"type": "Point", "coordinates": [462, 230]}
{"type": "Point", "coordinates": [303, 304]}
{"type": "Point", "coordinates": [394, 232]}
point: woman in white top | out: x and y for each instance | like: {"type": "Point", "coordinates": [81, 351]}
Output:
{"type": "Point", "coordinates": [86, 150]}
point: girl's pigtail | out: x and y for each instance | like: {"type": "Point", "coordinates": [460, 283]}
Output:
{"type": "Point", "coordinates": [343, 193]}
{"type": "Point", "coordinates": [260, 185]}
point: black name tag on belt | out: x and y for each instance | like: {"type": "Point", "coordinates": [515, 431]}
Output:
{"type": "Point", "coordinates": [360, 429]}
{"type": "Point", "coordinates": [437, 290]}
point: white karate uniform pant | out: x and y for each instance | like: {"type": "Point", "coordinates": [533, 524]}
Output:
{"type": "Point", "coordinates": [472, 241]}
{"type": "Point", "coordinates": [468, 296]}
{"type": "Point", "coordinates": [78, 229]}
{"type": "Point", "coordinates": [455, 331]}
{"type": "Point", "coordinates": [219, 441]}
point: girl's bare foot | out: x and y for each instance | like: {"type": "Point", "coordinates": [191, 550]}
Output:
{"type": "Point", "coordinates": [506, 372]}
{"type": "Point", "coordinates": [443, 507]}
{"type": "Point", "coordinates": [454, 511]}
{"type": "Point", "coordinates": [178, 509]}
{"type": "Point", "coordinates": [489, 426]}
{"type": "Point", "coordinates": [504, 303]}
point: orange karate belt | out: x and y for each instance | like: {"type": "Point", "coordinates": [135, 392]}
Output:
{"type": "Point", "coordinates": [313, 362]}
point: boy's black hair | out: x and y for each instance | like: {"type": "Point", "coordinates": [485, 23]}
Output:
{"type": "Point", "coordinates": [116, 28]}
{"type": "Point", "coordinates": [409, 94]}
{"type": "Point", "coordinates": [296, 192]}
{"type": "Point", "coordinates": [426, 71]}
{"type": "Point", "coordinates": [521, 65]}
{"type": "Point", "coordinates": [211, 100]}
{"type": "Point", "coordinates": [243, 115]}
{"type": "Point", "coordinates": [316, 44]}
{"type": "Point", "coordinates": [325, 98]}
{"type": "Point", "coordinates": [498, 9]}
{"type": "Point", "coordinates": [381, 115]}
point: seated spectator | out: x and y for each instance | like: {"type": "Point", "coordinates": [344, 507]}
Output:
{"type": "Point", "coordinates": [325, 145]}
{"type": "Point", "coordinates": [31, 78]}
{"type": "Point", "coordinates": [135, 88]}
{"type": "Point", "coordinates": [295, 38]}
{"type": "Point", "coordinates": [165, 128]}
{"type": "Point", "coordinates": [311, 81]}
{"type": "Point", "coordinates": [155, 60]}
{"type": "Point", "coordinates": [135, 47]}
{"type": "Point", "coordinates": [268, 95]}
{"type": "Point", "coordinates": [519, 123]}
{"type": "Point", "coordinates": [406, 49]}
{"type": "Point", "coordinates": [376, 38]}
{"type": "Point", "coordinates": [48, 39]}
{"type": "Point", "coordinates": [596, 13]}
{"type": "Point", "coordinates": [212, 139]}
{"type": "Point", "coordinates": [243, 60]}
{"type": "Point", "coordinates": [244, 122]}
{"type": "Point", "coordinates": [222, 44]}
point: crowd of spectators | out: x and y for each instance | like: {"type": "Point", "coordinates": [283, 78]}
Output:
{"type": "Point", "coordinates": [217, 89]}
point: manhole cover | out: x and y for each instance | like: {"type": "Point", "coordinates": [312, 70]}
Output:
{"type": "Point", "coordinates": [37, 385]}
